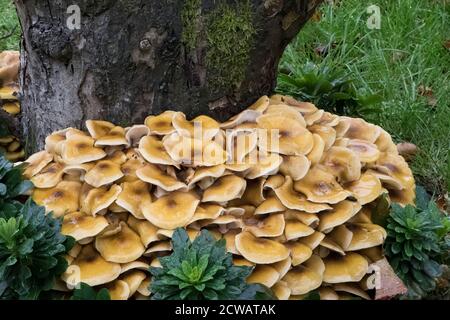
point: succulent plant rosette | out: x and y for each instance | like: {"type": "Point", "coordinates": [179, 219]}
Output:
{"type": "Point", "coordinates": [290, 188]}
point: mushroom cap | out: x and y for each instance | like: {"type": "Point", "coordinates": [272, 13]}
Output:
{"type": "Point", "coordinates": [144, 287]}
{"type": "Point", "coordinates": [147, 231]}
{"type": "Point", "coordinates": [115, 137]}
{"type": "Point", "coordinates": [295, 166]}
{"type": "Point", "coordinates": [207, 211]}
{"type": "Point", "coordinates": [396, 166]}
{"type": "Point", "coordinates": [99, 128]}
{"type": "Point", "coordinates": [152, 174]}
{"type": "Point", "coordinates": [285, 110]}
{"type": "Point", "coordinates": [230, 242]}
{"type": "Point", "coordinates": [240, 261]}
{"type": "Point", "coordinates": [61, 199]}
{"type": "Point", "coordinates": [343, 164]}
{"type": "Point", "coordinates": [129, 169]}
{"type": "Point", "coordinates": [292, 138]}
{"type": "Point", "coordinates": [104, 172]}
{"type": "Point", "coordinates": [201, 127]}
{"type": "Point", "coordinates": [321, 186]}
{"type": "Point", "coordinates": [340, 213]}
{"type": "Point", "coordinates": [80, 225]}
{"type": "Point", "coordinates": [328, 134]}
{"type": "Point", "coordinates": [360, 129]}
{"type": "Point", "coordinates": [366, 189]}
{"type": "Point", "coordinates": [310, 219]}
{"type": "Point", "coordinates": [100, 198]}
{"type": "Point", "coordinates": [294, 200]}
{"type": "Point", "coordinates": [384, 142]}
{"type": "Point", "coordinates": [133, 280]}
{"type": "Point", "coordinates": [243, 117]}
{"type": "Point", "coordinates": [153, 151]}
{"type": "Point", "coordinates": [403, 197]}
{"type": "Point", "coordinates": [271, 226]}
{"type": "Point", "coordinates": [240, 142]}
{"type": "Point", "coordinates": [254, 193]}
{"type": "Point", "coordinates": [313, 240]}
{"type": "Point", "coordinates": [37, 162]}
{"type": "Point", "coordinates": [132, 196]}
{"type": "Point", "coordinates": [351, 288]}
{"type": "Point", "coordinates": [260, 105]}
{"type": "Point", "coordinates": [262, 164]}
{"type": "Point", "coordinates": [225, 188]}
{"type": "Point", "coordinates": [349, 268]}
{"type": "Point", "coordinates": [281, 290]}
{"type": "Point", "coordinates": [342, 236]}
{"type": "Point", "coordinates": [301, 106]}
{"type": "Point", "coordinates": [158, 247]}
{"type": "Point", "coordinates": [134, 134]}
{"type": "Point", "coordinates": [365, 235]}
{"type": "Point", "coordinates": [118, 290]}
{"type": "Point", "coordinates": [173, 210]}
{"type": "Point", "coordinates": [9, 91]}
{"type": "Point", "coordinates": [314, 117]}
{"type": "Point", "coordinates": [49, 176]}
{"type": "Point", "coordinates": [331, 245]}
{"type": "Point", "coordinates": [316, 153]}
{"type": "Point", "coordinates": [386, 180]}
{"type": "Point", "coordinates": [299, 252]}
{"type": "Point", "coordinates": [122, 247]}
{"type": "Point", "coordinates": [78, 149]}
{"type": "Point", "coordinates": [295, 229]}
{"type": "Point", "coordinates": [9, 66]}
{"type": "Point", "coordinates": [205, 172]}
{"type": "Point", "coordinates": [263, 274]}
{"type": "Point", "coordinates": [302, 280]}
{"type": "Point", "coordinates": [89, 267]}
{"type": "Point", "coordinates": [161, 124]}
{"type": "Point", "coordinates": [270, 205]}
{"type": "Point", "coordinates": [366, 151]}
{"type": "Point", "coordinates": [134, 265]}
{"type": "Point", "coordinates": [259, 250]}
{"type": "Point", "coordinates": [327, 293]}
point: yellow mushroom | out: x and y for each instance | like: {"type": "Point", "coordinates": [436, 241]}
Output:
{"type": "Point", "coordinates": [80, 225]}
{"type": "Point", "coordinates": [260, 250]}
{"type": "Point", "coordinates": [61, 199]}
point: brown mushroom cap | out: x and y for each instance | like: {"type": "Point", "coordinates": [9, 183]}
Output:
{"type": "Point", "coordinates": [360, 129]}
{"type": "Point", "coordinates": [282, 266]}
{"type": "Point", "coordinates": [157, 248]}
{"type": "Point", "coordinates": [80, 225]}
{"type": "Point", "coordinates": [132, 196]}
{"type": "Point", "coordinates": [134, 265]}
{"type": "Point", "coordinates": [366, 189]}
{"type": "Point", "coordinates": [78, 149]}
{"type": "Point", "coordinates": [37, 162]}
{"type": "Point", "coordinates": [295, 166]}
{"type": "Point", "coordinates": [313, 240]}
{"type": "Point", "coordinates": [122, 247]}
{"type": "Point", "coordinates": [135, 133]}
{"type": "Point", "coordinates": [133, 280]}
{"type": "Point", "coordinates": [316, 153]}
{"type": "Point", "coordinates": [342, 236]}
{"type": "Point", "coordinates": [281, 290]}
{"type": "Point", "coordinates": [366, 151]}
{"type": "Point", "coordinates": [100, 198]}
{"type": "Point", "coordinates": [115, 137]}
{"type": "Point", "coordinates": [349, 268]}
{"type": "Point", "coordinates": [61, 199]}
{"type": "Point", "coordinates": [173, 210]}
{"type": "Point", "coordinates": [285, 110]}
{"type": "Point", "coordinates": [207, 211]}
{"type": "Point", "coordinates": [98, 128]}
{"type": "Point", "coordinates": [272, 226]}
{"type": "Point", "coordinates": [259, 250]}
{"type": "Point", "coordinates": [343, 164]}
{"type": "Point", "coordinates": [270, 205]}
{"type": "Point", "coordinates": [201, 127]}
{"type": "Point", "coordinates": [262, 164]}
{"type": "Point", "coordinates": [328, 134]}
{"type": "Point", "coordinates": [351, 288]}
{"type": "Point", "coordinates": [147, 231]}
{"type": "Point", "coordinates": [49, 176]}
{"type": "Point", "coordinates": [205, 172]}
{"type": "Point", "coordinates": [104, 172]}
{"type": "Point", "coordinates": [118, 290]}
{"type": "Point", "coordinates": [295, 229]}
{"type": "Point", "coordinates": [299, 252]}
{"type": "Point", "coordinates": [153, 151]}
{"type": "Point", "coordinates": [304, 278]}
{"type": "Point", "coordinates": [331, 245]}
{"type": "Point", "coordinates": [292, 138]}
{"type": "Point", "coordinates": [327, 293]}
{"type": "Point", "coordinates": [161, 124]}
{"type": "Point", "coordinates": [152, 174]}
{"type": "Point", "coordinates": [263, 274]}
{"type": "Point", "coordinates": [321, 186]}
{"type": "Point", "coordinates": [396, 166]}
{"type": "Point", "coordinates": [294, 200]}
{"type": "Point", "coordinates": [225, 189]}
{"type": "Point", "coordinates": [365, 235]}
{"type": "Point", "coordinates": [89, 267]}
{"type": "Point", "coordinates": [310, 219]}
{"type": "Point", "coordinates": [340, 213]}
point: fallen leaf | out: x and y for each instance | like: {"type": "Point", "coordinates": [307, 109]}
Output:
{"type": "Point", "coordinates": [407, 150]}
{"type": "Point", "coordinates": [446, 44]}
{"type": "Point", "coordinates": [317, 16]}
{"type": "Point", "coordinates": [427, 92]}
{"type": "Point", "coordinates": [390, 285]}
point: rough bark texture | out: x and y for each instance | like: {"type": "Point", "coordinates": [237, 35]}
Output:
{"type": "Point", "coordinates": [133, 58]}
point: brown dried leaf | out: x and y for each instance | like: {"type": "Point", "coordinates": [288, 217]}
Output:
{"type": "Point", "coordinates": [428, 93]}
{"type": "Point", "coordinates": [407, 150]}
{"type": "Point", "coordinates": [390, 283]}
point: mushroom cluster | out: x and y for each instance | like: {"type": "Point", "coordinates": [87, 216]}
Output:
{"type": "Point", "coordinates": [9, 71]}
{"type": "Point", "coordinates": [289, 187]}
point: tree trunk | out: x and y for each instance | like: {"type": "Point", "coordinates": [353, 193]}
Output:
{"type": "Point", "coordinates": [130, 58]}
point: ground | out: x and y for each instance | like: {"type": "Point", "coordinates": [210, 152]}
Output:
{"type": "Point", "coordinates": [406, 61]}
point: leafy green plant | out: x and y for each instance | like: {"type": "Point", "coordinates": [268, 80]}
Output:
{"type": "Point", "coordinates": [417, 239]}
{"type": "Point", "coordinates": [31, 252]}
{"type": "Point", "coordinates": [12, 186]}
{"type": "Point", "coordinates": [202, 269]}
{"type": "Point", "coordinates": [86, 292]}
{"type": "Point", "coordinates": [326, 87]}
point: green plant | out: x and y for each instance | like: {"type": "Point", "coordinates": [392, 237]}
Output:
{"type": "Point", "coordinates": [416, 241]}
{"type": "Point", "coordinates": [31, 252]}
{"type": "Point", "coordinates": [202, 269]}
{"type": "Point", "coordinates": [86, 292]}
{"type": "Point", "coordinates": [326, 87]}
{"type": "Point", "coordinates": [12, 186]}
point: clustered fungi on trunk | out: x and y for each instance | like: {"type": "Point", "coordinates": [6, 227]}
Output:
{"type": "Point", "coordinates": [130, 59]}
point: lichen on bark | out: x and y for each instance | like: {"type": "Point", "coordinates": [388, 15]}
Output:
{"type": "Point", "coordinates": [229, 31]}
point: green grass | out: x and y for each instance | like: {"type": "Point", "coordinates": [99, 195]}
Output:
{"type": "Point", "coordinates": [9, 23]}
{"type": "Point", "coordinates": [394, 61]}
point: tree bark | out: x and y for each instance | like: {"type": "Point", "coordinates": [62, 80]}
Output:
{"type": "Point", "coordinates": [133, 58]}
